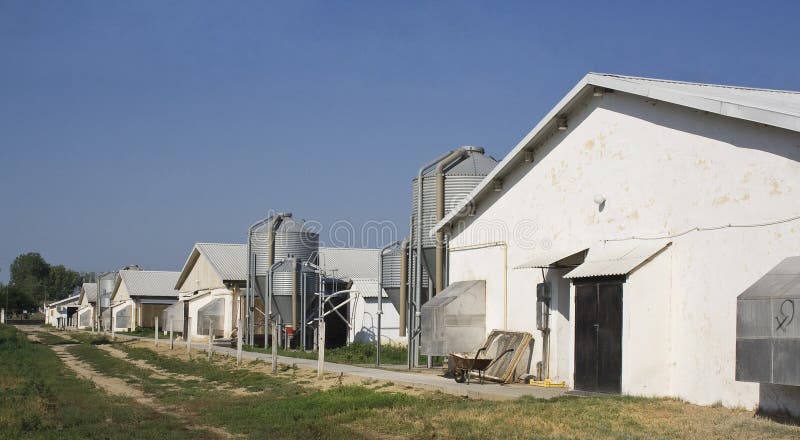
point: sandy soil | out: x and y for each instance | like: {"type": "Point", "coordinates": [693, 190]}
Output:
{"type": "Point", "coordinates": [118, 387]}
{"type": "Point", "coordinates": [302, 376]}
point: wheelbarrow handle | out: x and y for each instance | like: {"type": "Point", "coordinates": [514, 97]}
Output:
{"type": "Point", "coordinates": [499, 356]}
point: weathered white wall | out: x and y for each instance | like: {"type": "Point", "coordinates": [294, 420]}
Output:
{"type": "Point", "coordinates": [196, 303]}
{"type": "Point", "coordinates": [117, 308]}
{"type": "Point", "coordinates": [663, 169]}
{"type": "Point", "coordinates": [365, 322]}
{"type": "Point", "coordinates": [120, 294]}
{"type": "Point", "coordinates": [646, 337]}
{"type": "Point", "coordinates": [84, 310]}
{"type": "Point", "coordinates": [202, 276]}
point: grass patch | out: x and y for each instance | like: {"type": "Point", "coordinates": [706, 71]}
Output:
{"type": "Point", "coordinates": [356, 353]}
{"type": "Point", "coordinates": [282, 408]}
{"type": "Point", "coordinates": [40, 399]}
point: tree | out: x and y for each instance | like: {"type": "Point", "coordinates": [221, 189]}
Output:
{"type": "Point", "coordinates": [33, 281]}
{"type": "Point", "coordinates": [61, 282]}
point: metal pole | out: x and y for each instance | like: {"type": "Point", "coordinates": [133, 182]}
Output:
{"type": "Point", "coordinates": [302, 344]}
{"type": "Point", "coordinates": [239, 344]}
{"type": "Point", "coordinates": [171, 335]}
{"type": "Point", "coordinates": [248, 313]}
{"type": "Point", "coordinates": [266, 331]}
{"type": "Point", "coordinates": [274, 345]}
{"type": "Point", "coordinates": [188, 338]}
{"type": "Point", "coordinates": [321, 355]}
{"type": "Point", "coordinates": [380, 300]}
{"type": "Point", "coordinates": [156, 336]}
{"type": "Point", "coordinates": [210, 335]}
{"type": "Point", "coordinates": [418, 287]}
{"type": "Point", "coordinates": [113, 325]}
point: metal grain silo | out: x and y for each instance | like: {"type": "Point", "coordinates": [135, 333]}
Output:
{"type": "Point", "coordinates": [390, 274]}
{"type": "Point", "coordinates": [293, 287]}
{"type": "Point", "coordinates": [445, 183]}
{"type": "Point", "coordinates": [283, 234]}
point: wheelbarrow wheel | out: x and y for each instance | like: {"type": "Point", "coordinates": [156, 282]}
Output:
{"type": "Point", "coordinates": [460, 376]}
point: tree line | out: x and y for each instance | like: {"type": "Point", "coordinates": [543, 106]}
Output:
{"type": "Point", "coordinates": [32, 281]}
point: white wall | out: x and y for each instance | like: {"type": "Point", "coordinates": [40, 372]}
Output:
{"type": "Point", "coordinates": [663, 169]}
{"type": "Point", "coordinates": [364, 314]}
{"type": "Point", "coordinates": [117, 308]}
{"type": "Point", "coordinates": [84, 310]}
{"type": "Point", "coordinates": [196, 303]}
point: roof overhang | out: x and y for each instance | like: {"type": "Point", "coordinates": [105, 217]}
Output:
{"type": "Point", "coordinates": [585, 88]}
{"type": "Point", "coordinates": [781, 282]}
{"type": "Point", "coordinates": [555, 258]}
{"type": "Point", "coordinates": [617, 258]}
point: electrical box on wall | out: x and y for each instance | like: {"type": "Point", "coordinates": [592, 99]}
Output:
{"type": "Point", "coordinates": [543, 306]}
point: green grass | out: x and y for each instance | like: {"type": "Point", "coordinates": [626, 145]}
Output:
{"type": "Point", "coordinates": [356, 353]}
{"type": "Point", "coordinates": [280, 407]}
{"type": "Point", "coordinates": [40, 399]}
{"type": "Point", "coordinates": [144, 332]}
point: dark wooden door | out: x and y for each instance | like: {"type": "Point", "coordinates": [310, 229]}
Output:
{"type": "Point", "coordinates": [598, 337]}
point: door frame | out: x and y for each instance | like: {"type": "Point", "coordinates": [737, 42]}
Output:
{"type": "Point", "coordinates": [596, 281]}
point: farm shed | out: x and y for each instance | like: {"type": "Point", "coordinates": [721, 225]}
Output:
{"type": "Point", "coordinates": [210, 285]}
{"type": "Point", "coordinates": [61, 313]}
{"type": "Point", "coordinates": [87, 302]}
{"type": "Point", "coordinates": [359, 271]}
{"type": "Point", "coordinates": [635, 212]}
{"type": "Point", "coordinates": [140, 296]}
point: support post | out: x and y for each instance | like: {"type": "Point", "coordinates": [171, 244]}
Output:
{"type": "Point", "coordinates": [2, 316]}
{"type": "Point", "coordinates": [156, 335]}
{"type": "Point", "coordinates": [239, 336]}
{"type": "Point", "coordinates": [266, 329]}
{"type": "Point", "coordinates": [210, 335]}
{"type": "Point", "coordinates": [274, 346]}
{"type": "Point", "coordinates": [113, 326]}
{"type": "Point", "coordinates": [187, 338]}
{"type": "Point", "coordinates": [321, 355]}
{"type": "Point", "coordinates": [171, 335]}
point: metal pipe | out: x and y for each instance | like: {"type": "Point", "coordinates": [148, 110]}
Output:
{"type": "Point", "coordinates": [408, 305]}
{"type": "Point", "coordinates": [403, 285]}
{"type": "Point", "coordinates": [380, 299]}
{"type": "Point", "coordinates": [418, 265]}
{"type": "Point", "coordinates": [439, 268]}
{"type": "Point", "coordinates": [303, 309]}
{"type": "Point", "coordinates": [251, 269]}
{"type": "Point", "coordinates": [295, 294]}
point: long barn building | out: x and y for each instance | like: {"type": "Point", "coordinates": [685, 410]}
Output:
{"type": "Point", "coordinates": [641, 208]}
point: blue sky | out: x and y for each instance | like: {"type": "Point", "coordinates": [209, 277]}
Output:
{"type": "Point", "coordinates": [131, 130]}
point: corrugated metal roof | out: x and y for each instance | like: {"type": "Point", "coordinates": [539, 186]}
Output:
{"type": "Point", "coordinates": [230, 260]}
{"type": "Point", "coordinates": [66, 300]}
{"type": "Point", "coordinates": [783, 281]}
{"type": "Point", "coordinates": [553, 258]}
{"type": "Point", "coordinates": [350, 262]}
{"type": "Point", "coordinates": [150, 282]}
{"type": "Point", "coordinates": [368, 287]}
{"type": "Point", "coordinates": [616, 258]}
{"type": "Point", "coordinates": [89, 290]}
{"type": "Point", "coordinates": [778, 108]}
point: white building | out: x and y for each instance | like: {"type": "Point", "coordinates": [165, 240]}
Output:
{"type": "Point", "coordinates": [683, 194]}
{"type": "Point", "coordinates": [61, 313]}
{"type": "Point", "coordinates": [360, 269]}
{"type": "Point", "coordinates": [140, 296]}
{"type": "Point", "coordinates": [210, 285]}
{"type": "Point", "coordinates": [86, 306]}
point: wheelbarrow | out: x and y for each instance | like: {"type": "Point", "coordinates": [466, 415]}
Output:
{"type": "Point", "coordinates": [466, 363]}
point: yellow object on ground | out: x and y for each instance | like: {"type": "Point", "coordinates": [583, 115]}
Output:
{"type": "Point", "coordinates": [548, 384]}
